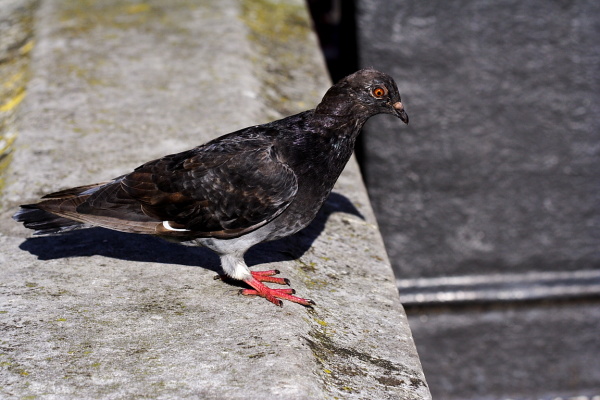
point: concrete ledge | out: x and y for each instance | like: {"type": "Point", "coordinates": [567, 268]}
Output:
{"type": "Point", "coordinates": [100, 314]}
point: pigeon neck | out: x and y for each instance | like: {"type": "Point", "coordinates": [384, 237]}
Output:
{"type": "Point", "coordinates": [341, 103]}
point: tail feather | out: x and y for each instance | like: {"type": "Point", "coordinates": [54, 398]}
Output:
{"type": "Point", "coordinates": [101, 204]}
{"type": "Point", "coordinates": [75, 192]}
{"type": "Point", "coordinates": [40, 217]}
{"type": "Point", "coordinates": [44, 222]}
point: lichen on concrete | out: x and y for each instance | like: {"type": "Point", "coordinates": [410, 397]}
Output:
{"type": "Point", "coordinates": [278, 32]}
{"type": "Point", "coordinates": [16, 43]}
{"type": "Point", "coordinates": [346, 370]}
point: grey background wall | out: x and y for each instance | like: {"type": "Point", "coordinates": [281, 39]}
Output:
{"type": "Point", "coordinates": [500, 169]}
{"type": "Point", "coordinates": [498, 175]}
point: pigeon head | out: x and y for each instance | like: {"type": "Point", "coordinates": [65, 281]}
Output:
{"type": "Point", "coordinates": [365, 93]}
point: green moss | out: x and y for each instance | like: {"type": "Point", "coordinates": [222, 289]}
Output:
{"type": "Point", "coordinates": [14, 75]}
{"type": "Point", "coordinates": [257, 355]}
{"type": "Point", "coordinates": [14, 367]}
{"type": "Point", "coordinates": [341, 365]}
{"type": "Point", "coordinates": [278, 32]}
{"type": "Point", "coordinates": [390, 381]}
{"type": "Point", "coordinates": [307, 267]}
{"type": "Point", "coordinates": [80, 16]}
{"type": "Point", "coordinates": [307, 272]}
{"type": "Point", "coordinates": [275, 22]}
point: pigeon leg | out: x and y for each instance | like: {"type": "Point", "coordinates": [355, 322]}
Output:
{"type": "Point", "coordinates": [273, 295]}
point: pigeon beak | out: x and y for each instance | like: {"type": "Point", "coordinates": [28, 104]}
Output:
{"type": "Point", "coordinates": [400, 113]}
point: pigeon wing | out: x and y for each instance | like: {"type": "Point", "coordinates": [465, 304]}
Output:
{"type": "Point", "coordinates": [213, 191]}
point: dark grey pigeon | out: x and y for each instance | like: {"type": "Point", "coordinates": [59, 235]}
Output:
{"type": "Point", "coordinates": [257, 184]}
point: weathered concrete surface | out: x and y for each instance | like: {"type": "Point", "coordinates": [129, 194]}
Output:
{"type": "Point", "coordinates": [496, 181]}
{"type": "Point", "coordinates": [16, 32]}
{"type": "Point", "coordinates": [99, 314]}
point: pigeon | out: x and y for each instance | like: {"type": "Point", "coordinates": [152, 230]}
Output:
{"type": "Point", "coordinates": [257, 184]}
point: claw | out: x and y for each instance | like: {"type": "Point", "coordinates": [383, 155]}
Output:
{"type": "Point", "coordinates": [269, 272]}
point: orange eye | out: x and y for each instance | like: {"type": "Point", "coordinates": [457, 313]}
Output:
{"type": "Point", "coordinates": [378, 92]}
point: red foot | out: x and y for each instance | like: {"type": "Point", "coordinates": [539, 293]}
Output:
{"type": "Point", "coordinates": [273, 295]}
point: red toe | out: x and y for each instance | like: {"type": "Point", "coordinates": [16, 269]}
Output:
{"type": "Point", "coordinates": [273, 295]}
{"type": "Point", "coordinates": [267, 276]}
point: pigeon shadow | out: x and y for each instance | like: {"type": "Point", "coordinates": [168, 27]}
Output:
{"type": "Point", "coordinates": [145, 248]}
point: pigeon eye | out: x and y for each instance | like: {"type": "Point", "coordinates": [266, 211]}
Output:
{"type": "Point", "coordinates": [378, 92]}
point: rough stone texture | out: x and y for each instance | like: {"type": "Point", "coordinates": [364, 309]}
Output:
{"type": "Point", "coordinates": [100, 314]}
{"type": "Point", "coordinates": [498, 174]}
{"type": "Point", "coordinates": [16, 31]}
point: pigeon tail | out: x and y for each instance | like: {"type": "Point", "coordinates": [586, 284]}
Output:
{"type": "Point", "coordinates": [44, 218]}
{"type": "Point", "coordinates": [44, 222]}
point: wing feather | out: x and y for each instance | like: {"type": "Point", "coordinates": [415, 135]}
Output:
{"type": "Point", "coordinates": [215, 191]}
